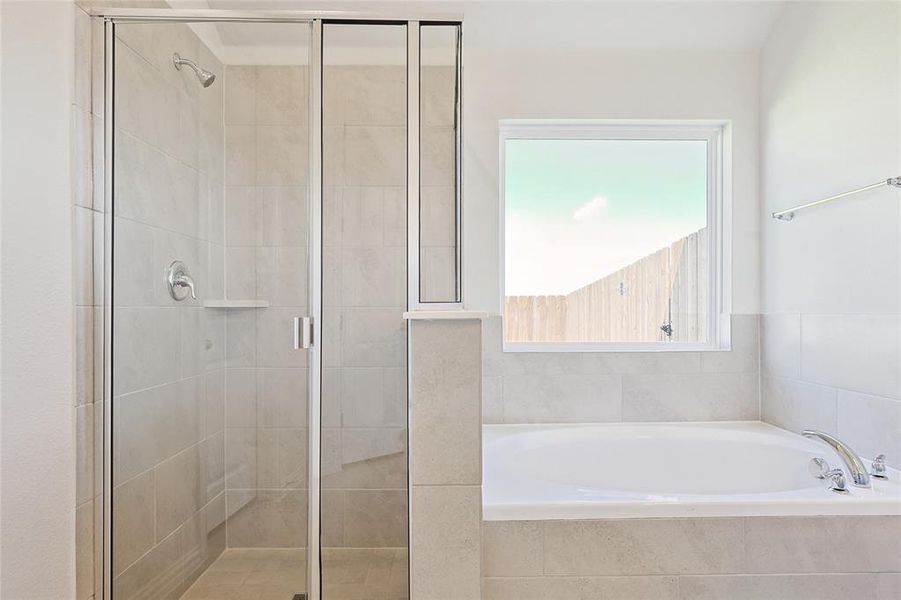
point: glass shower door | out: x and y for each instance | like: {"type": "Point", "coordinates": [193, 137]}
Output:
{"type": "Point", "coordinates": [211, 242]}
{"type": "Point", "coordinates": [364, 345]}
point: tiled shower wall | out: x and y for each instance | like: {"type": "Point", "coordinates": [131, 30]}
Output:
{"type": "Point", "coordinates": [364, 395]}
{"type": "Point", "coordinates": [168, 360]}
{"type": "Point", "coordinates": [87, 117]}
{"type": "Point", "coordinates": [266, 238]}
{"type": "Point", "coordinates": [564, 387]}
{"type": "Point", "coordinates": [168, 396]}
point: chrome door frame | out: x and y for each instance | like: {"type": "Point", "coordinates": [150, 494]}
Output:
{"type": "Point", "coordinates": [113, 16]}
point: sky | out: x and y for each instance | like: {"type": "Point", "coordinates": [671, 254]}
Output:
{"type": "Point", "coordinates": [577, 210]}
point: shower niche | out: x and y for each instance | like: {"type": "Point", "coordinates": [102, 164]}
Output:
{"type": "Point", "coordinates": [279, 192]}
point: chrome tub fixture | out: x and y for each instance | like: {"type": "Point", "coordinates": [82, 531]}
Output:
{"type": "Point", "coordinates": [205, 77]}
{"type": "Point", "coordinates": [879, 470]}
{"type": "Point", "coordinates": [859, 475]}
{"type": "Point", "coordinates": [835, 478]}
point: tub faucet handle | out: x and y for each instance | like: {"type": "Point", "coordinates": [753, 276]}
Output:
{"type": "Point", "coordinates": [879, 469]}
{"type": "Point", "coordinates": [835, 478]}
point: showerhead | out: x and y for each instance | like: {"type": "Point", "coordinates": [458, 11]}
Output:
{"type": "Point", "coordinates": [205, 77]}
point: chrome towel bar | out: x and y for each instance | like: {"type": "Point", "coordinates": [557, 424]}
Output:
{"type": "Point", "coordinates": [789, 214]}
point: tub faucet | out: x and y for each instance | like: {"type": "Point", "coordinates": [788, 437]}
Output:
{"type": "Point", "coordinates": [859, 475]}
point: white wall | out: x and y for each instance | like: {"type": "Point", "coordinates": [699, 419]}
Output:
{"type": "Point", "coordinates": [831, 122]}
{"type": "Point", "coordinates": [577, 79]}
{"type": "Point", "coordinates": [37, 505]}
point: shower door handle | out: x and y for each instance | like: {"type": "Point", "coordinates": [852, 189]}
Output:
{"type": "Point", "coordinates": [303, 332]}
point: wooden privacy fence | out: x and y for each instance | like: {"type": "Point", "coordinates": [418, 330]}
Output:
{"type": "Point", "coordinates": [630, 305]}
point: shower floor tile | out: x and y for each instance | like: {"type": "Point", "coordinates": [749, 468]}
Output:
{"type": "Point", "coordinates": [279, 574]}
{"type": "Point", "coordinates": [252, 574]}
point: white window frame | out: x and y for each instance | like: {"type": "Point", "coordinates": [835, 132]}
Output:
{"type": "Point", "coordinates": [717, 134]}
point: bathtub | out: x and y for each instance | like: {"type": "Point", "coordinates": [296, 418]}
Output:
{"type": "Point", "coordinates": [632, 470]}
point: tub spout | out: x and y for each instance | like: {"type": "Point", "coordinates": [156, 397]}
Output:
{"type": "Point", "coordinates": [859, 474]}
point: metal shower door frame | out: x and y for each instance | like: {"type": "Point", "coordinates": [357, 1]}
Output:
{"type": "Point", "coordinates": [315, 20]}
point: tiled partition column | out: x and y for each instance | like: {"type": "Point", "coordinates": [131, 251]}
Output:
{"type": "Point", "coordinates": [445, 459]}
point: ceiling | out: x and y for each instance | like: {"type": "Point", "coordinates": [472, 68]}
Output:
{"type": "Point", "coordinates": [515, 25]}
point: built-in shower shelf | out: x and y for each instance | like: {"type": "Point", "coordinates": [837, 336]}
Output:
{"type": "Point", "coordinates": [235, 303]}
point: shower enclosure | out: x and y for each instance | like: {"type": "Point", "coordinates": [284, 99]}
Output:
{"type": "Point", "coordinates": [280, 189]}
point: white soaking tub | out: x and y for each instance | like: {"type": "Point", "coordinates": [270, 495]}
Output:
{"type": "Point", "coordinates": [630, 470]}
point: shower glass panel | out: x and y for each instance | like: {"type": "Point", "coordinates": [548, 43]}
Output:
{"type": "Point", "coordinates": [364, 384]}
{"type": "Point", "coordinates": [211, 242]}
{"type": "Point", "coordinates": [439, 191]}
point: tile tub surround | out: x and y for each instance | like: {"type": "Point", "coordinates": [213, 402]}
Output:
{"type": "Point", "coordinates": [445, 450]}
{"type": "Point", "coordinates": [758, 558]}
{"type": "Point", "coordinates": [560, 387]}
{"type": "Point", "coordinates": [836, 373]}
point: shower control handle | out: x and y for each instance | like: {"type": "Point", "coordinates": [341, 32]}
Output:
{"type": "Point", "coordinates": [180, 283]}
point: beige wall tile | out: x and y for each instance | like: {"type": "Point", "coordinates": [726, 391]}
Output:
{"type": "Point", "coordinates": [446, 403]}
{"type": "Point", "coordinates": [445, 542]}
{"type": "Point", "coordinates": [744, 356]}
{"type": "Point", "coordinates": [158, 574]}
{"type": "Point", "coordinates": [437, 89]}
{"type": "Point", "coordinates": [84, 453]}
{"type": "Point", "coordinates": [888, 586]}
{"type": "Point", "coordinates": [780, 345]}
{"type": "Point", "coordinates": [643, 547]}
{"type": "Point", "coordinates": [375, 518]}
{"type": "Point", "coordinates": [283, 215]}
{"type": "Point", "coordinates": [84, 256]}
{"type": "Point", "coordinates": [374, 277]}
{"type": "Point", "coordinates": [281, 95]}
{"type": "Point", "coordinates": [438, 156]}
{"type": "Point", "coordinates": [267, 519]}
{"type": "Point", "coordinates": [241, 216]}
{"type": "Point", "coordinates": [373, 337]}
{"type": "Point", "coordinates": [372, 95]}
{"type": "Point", "coordinates": [871, 425]}
{"type": "Point", "coordinates": [240, 95]}
{"type": "Point", "coordinates": [563, 398]}
{"type": "Point", "coordinates": [84, 551]}
{"type": "Point", "coordinates": [765, 587]}
{"type": "Point", "coordinates": [512, 548]}
{"type": "Point", "coordinates": [155, 424]}
{"type": "Point", "coordinates": [134, 276]}
{"type": "Point", "coordinates": [860, 353]}
{"type": "Point", "coordinates": [179, 490]}
{"type": "Point", "coordinates": [84, 355]}
{"type": "Point", "coordinates": [281, 157]}
{"type": "Point", "coordinates": [581, 588]}
{"type": "Point", "coordinates": [133, 520]}
{"type": "Point", "coordinates": [492, 400]}
{"type": "Point", "coordinates": [796, 405]}
{"type": "Point", "coordinates": [375, 155]}
{"type": "Point", "coordinates": [282, 275]}
{"type": "Point", "coordinates": [711, 397]}
{"type": "Point", "coordinates": [282, 397]}
{"type": "Point", "coordinates": [146, 353]}
{"type": "Point", "coordinates": [805, 544]}
{"type": "Point", "coordinates": [240, 155]}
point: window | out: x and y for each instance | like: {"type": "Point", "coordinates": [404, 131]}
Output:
{"type": "Point", "coordinates": [612, 236]}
